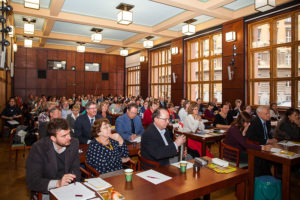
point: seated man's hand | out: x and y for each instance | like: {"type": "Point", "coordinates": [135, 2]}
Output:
{"type": "Point", "coordinates": [132, 137]}
{"type": "Point", "coordinates": [125, 160]}
{"type": "Point", "coordinates": [65, 180]}
{"type": "Point", "coordinates": [117, 137]}
{"type": "Point", "coordinates": [266, 147]}
{"type": "Point", "coordinates": [180, 140]}
{"type": "Point", "coordinates": [271, 141]}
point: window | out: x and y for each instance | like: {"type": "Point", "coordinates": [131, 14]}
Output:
{"type": "Point", "coordinates": [161, 73]}
{"type": "Point", "coordinates": [204, 68]}
{"type": "Point", "coordinates": [92, 67]}
{"type": "Point", "coordinates": [273, 72]}
{"type": "Point", "coordinates": [56, 64]}
{"type": "Point", "coordinates": [133, 81]}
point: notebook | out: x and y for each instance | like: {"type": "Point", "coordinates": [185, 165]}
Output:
{"type": "Point", "coordinates": [73, 192]}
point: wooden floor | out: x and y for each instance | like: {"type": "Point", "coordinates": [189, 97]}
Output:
{"type": "Point", "coordinates": [13, 185]}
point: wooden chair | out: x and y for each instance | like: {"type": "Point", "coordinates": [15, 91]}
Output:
{"type": "Point", "coordinates": [232, 155]}
{"type": "Point", "coordinates": [93, 172]}
{"type": "Point", "coordinates": [36, 195]}
{"type": "Point", "coordinates": [145, 164]}
{"type": "Point", "coordinates": [15, 147]}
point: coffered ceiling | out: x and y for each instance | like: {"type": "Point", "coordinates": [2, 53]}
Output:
{"type": "Point", "coordinates": [62, 23]}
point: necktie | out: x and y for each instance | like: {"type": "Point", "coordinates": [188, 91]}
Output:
{"type": "Point", "coordinates": [132, 127]}
{"type": "Point", "coordinates": [92, 122]}
{"type": "Point", "coordinates": [265, 130]}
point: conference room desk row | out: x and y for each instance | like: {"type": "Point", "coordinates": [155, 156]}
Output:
{"type": "Point", "coordinates": [189, 185]}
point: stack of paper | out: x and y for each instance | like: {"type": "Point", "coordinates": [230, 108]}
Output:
{"type": "Point", "coordinates": [73, 192]}
{"type": "Point", "coordinates": [13, 122]}
{"type": "Point", "coordinates": [154, 176]}
{"type": "Point", "coordinates": [97, 184]}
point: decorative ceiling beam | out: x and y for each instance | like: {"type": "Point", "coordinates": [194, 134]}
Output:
{"type": "Point", "coordinates": [56, 6]}
{"type": "Point", "coordinates": [111, 49]}
{"type": "Point", "coordinates": [76, 38]}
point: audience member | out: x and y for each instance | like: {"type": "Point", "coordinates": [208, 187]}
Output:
{"type": "Point", "coordinates": [183, 111]}
{"type": "Point", "coordinates": [157, 145]}
{"type": "Point", "coordinates": [162, 103]}
{"type": "Point", "coordinates": [103, 111]}
{"type": "Point", "coordinates": [237, 109]}
{"type": "Point", "coordinates": [11, 112]}
{"type": "Point", "coordinates": [107, 151]}
{"type": "Point", "coordinates": [53, 161]}
{"type": "Point", "coordinates": [235, 136]}
{"type": "Point", "coordinates": [129, 125]}
{"type": "Point", "coordinates": [172, 113]}
{"type": "Point", "coordinates": [288, 127]}
{"type": "Point", "coordinates": [274, 113]}
{"type": "Point", "coordinates": [71, 118]}
{"type": "Point", "coordinates": [209, 112]}
{"type": "Point", "coordinates": [84, 123]}
{"type": "Point", "coordinates": [223, 119]}
{"type": "Point", "coordinates": [215, 103]}
{"type": "Point", "coordinates": [200, 105]}
{"type": "Point", "coordinates": [65, 111]}
{"type": "Point", "coordinates": [54, 113]}
{"type": "Point", "coordinates": [147, 119]}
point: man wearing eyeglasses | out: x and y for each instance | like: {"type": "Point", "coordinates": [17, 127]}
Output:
{"type": "Point", "coordinates": [129, 125]}
{"type": "Point", "coordinates": [83, 123]}
{"type": "Point", "coordinates": [157, 145]}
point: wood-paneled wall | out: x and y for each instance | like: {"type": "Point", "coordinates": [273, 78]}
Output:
{"type": "Point", "coordinates": [67, 82]}
{"type": "Point", "coordinates": [145, 74]}
{"type": "Point", "coordinates": [235, 88]}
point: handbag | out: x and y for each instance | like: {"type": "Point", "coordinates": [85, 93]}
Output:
{"type": "Point", "coordinates": [267, 188]}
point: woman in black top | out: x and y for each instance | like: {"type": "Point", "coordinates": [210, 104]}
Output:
{"type": "Point", "coordinates": [223, 119]}
{"type": "Point", "coordinates": [289, 127]}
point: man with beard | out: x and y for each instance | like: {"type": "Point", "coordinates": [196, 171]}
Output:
{"type": "Point", "coordinates": [53, 161]}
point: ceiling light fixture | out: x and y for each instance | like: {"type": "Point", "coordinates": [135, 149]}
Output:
{"type": "Point", "coordinates": [264, 5]}
{"type": "Point", "coordinates": [124, 52]}
{"type": "Point", "coordinates": [125, 15]}
{"type": "Point", "coordinates": [80, 47]}
{"type": "Point", "coordinates": [189, 28]}
{"type": "Point", "coordinates": [27, 42]}
{"type": "Point", "coordinates": [35, 4]}
{"type": "Point", "coordinates": [29, 25]}
{"type": "Point", "coordinates": [148, 43]}
{"type": "Point", "coordinates": [97, 36]}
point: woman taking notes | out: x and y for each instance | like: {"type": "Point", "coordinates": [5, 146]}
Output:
{"type": "Point", "coordinates": [107, 151]}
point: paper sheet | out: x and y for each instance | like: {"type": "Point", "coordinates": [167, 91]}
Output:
{"type": "Point", "coordinates": [289, 143]}
{"type": "Point", "coordinates": [13, 122]}
{"type": "Point", "coordinates": [275, 150]}
{"type": "Point", "coordinates": [97, 183]}
{"type": "Point", "coordinates": [69, 192]}
{"type": "Point", "coordinates": [189, 165]}
{"type": "Point", "coordinates": [137, 139]}
{"type": "Point", "coordinates": [154, 176]}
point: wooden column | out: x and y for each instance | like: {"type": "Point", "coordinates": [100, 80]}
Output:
{"type": "Point", "coordinates": [234, 88]}
{"type": "Point", "coordinates": [145, 82]}
{"type": "Point", "coordinates": [177, 67]}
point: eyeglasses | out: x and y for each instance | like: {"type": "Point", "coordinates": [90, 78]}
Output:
{"type": "Point", "coordinates": [92, 108]}
{"type": "Point", "coordinates": [165, 119]}
{"type": "Point", "coordinates": [106, 126]}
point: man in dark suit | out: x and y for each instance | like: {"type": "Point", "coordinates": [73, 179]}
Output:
{"type": "Point", "coordinates": [53, 161]}
{"type": "Point", "coordinates": [157, 145]}
{"type": "Point", "coordinates": [162, 103]}
{"type": "Point", "coordinates": [84, 123]}
{"type": "Point", "coordinates": [260, 131]}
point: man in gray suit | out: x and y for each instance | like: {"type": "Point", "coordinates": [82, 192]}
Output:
{"type": "Point", "coordinates": [53, 161]}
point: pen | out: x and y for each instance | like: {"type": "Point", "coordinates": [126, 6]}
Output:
{"type": "Point", "coordinates": [78, 195]}
{"type": "Point", "coordinates": [152, 177]}
{"type": "Point", "coordinates": [74, 180]}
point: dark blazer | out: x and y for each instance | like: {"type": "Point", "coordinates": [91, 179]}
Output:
{"type": "Point", "coordinates": [41, 164]}
{"type": "Point", "coordinates": [255, 131]}
{"type": "Point", "coordinates": [153, 147]}
{"type": "Point", "coordinates": [43, 129]}
{"type": "Point", "coordinates": [83, 128]}
{"type": "Point", "coordinates": [108, 116]}
{"type": "Point", "coordinates": [71, 122]}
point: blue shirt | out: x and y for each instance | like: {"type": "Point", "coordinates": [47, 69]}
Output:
{"type": "Point", "coordinates": [123, 126]}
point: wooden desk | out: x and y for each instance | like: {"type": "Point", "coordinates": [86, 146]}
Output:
{"type": "Point", "coordinates": [286, 167]}
{"type": "Point", "coordinates": [182, 186]}
{"type": "Point", "coordinates": [203, 140]}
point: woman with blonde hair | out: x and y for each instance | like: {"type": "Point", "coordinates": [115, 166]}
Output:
{"type": "Point", "coordinates": [103, 111]}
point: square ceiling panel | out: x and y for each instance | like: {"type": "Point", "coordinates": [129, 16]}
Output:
{"type": "Point", "coordinates": [239, 4]}
{"type": "Point", "coordinates": [20, 24]}
{"type": "Point", "coordinates": [83, 30]}
{"type": "Point", "coordinates": [200, 19]}
{"type": "Point", "coordinates": [145, 12]}
{"type": "Point", "coordinates": [69, 43]}
{"type": "Point", "coordinates": [43, 3]}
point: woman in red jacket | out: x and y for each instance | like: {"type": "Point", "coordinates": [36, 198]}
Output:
{"type": "Point", "coordinates": [147, 119]}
